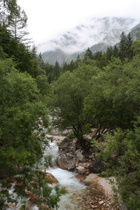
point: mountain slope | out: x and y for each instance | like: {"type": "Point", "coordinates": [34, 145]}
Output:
{"type": "Point", "coordinates": [96, 33]}
{"type": "Point", "coordinates": [135, 32]}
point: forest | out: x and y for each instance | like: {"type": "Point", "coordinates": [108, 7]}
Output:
{"type": "Point", "coordinates": [100, 90]}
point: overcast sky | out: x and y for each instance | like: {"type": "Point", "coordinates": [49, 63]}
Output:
{"type": "Point", "coordinates": [47, 18]}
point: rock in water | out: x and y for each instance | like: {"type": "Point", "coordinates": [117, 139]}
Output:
{"type": "Point", "coordinates": [51, 178]}
{"type": "Point", "coordinates": [66, 161]}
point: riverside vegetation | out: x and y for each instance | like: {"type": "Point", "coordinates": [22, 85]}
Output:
{"type": "Point", "coordinates": [100, 90]}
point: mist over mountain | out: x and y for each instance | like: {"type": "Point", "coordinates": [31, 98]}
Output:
{"type": "Point", "coordinates": [95, 33]}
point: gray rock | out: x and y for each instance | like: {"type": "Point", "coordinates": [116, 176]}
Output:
{"type": "Point", "coordinates": [66, 161]}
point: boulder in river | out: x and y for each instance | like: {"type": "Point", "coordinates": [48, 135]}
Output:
{"type": "Point", "coordinates": [51, 178]}
{"type": "Point", "coordinates": [66, 161]}
{"type": "Point", "coordinates": [64, 144]}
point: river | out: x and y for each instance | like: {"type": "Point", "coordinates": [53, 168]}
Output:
{"type": "Point", "coordinates": [65, 178]}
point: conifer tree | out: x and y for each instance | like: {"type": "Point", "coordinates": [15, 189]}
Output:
{"type": "Point", "coordinates": [17, 23]}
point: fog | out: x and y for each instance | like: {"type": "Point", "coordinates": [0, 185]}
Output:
{"type": "Point", "coordinates": [105, 30]}
{"type": "Point", "coordinates": [48, 18]}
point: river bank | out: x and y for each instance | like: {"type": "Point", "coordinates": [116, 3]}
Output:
{"type": "Point", "coordinates": [97, 193]}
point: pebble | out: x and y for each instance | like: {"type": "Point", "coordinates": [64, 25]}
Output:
{"type": "Point", "coordinates": [93, 198]}
{"type": "Point", "coordinates": [101, 202]}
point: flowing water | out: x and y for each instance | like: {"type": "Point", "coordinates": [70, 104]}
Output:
{"type": "Point", "coordinates": [65, 178]}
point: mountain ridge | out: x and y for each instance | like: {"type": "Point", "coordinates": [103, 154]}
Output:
{"type": "Point", "coordinates": [96, 34]}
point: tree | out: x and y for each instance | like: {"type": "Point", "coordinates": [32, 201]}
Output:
{"type": "Point", "coordinates": [56, 71]}
{"type": "Point", "coordinates": [20, 108]}
{"type": "Point", "coordinates": [17, 23]}
{"type": "Point", "coordinates": [109, 52]}
{"type": "Point", "coordinates": [136, 47]}
{"type": "Point", "coordinates": [7, 7]}
{"type": "Point", "coordinates": [122, 46]}
{"type": "Point", "coordinates": [69, 93]}
{"type": "Point", "coordinates": [125, 50]}
{"type": "Point", "coordinates": [115, 51]}
{"type": "Point", "coordinates": [43, 86]}
{"type": "Point", "coordinates": [121, 155]}
{"type": "Point", "coordinates": [88, 56]}
{"type": "Point", "coordinates": [21, 141]}
{"type": "Point", "coordinates": [114, 99]}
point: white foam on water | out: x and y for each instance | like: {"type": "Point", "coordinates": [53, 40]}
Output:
{"type": "Point", "coordinates": [66, 178]}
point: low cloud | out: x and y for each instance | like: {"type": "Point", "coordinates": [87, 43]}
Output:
{"type": "Point", "coordinates": [90, 32]}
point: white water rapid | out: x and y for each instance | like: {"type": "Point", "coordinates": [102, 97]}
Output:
{"type": "Point", "coordinates": [65, 178]}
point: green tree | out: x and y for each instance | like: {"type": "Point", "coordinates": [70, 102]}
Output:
{"type": "Point", "coordinates": [125, 50]}
{"type": "Point", "coordinates": [109, 52]}
{"type": "Point", "coordinates": [136, 47]}
{"type": "Point", "coordinates": [114, 98]}
{"type": "Point", "coordinates": [7, 7]}
{"type": "Point", "coordinates": [88, 53]}
{"type": "Point", "coordinates": [115, 51]}
{"type": "Point", "coordinates": [19, 110]}
{"type": "Point", "coordinates": [69, 93]}
{"type": "Point", "coordinates": [17, 24]}
{"type": "Point", "coordinates": [121, 155]}
{"type": "Point", "coordinates": [21, 139]}
{"type": "Point", "coordinates": [44, 87]}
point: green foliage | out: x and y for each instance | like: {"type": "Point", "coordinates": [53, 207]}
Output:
{"type": "Point", "coordinates": [125, 50]}
{"type": "Point", "coordinates": [88, 55]}
{"type": "Point", "coordinates": [114, 98]}
{"type": "Point", "coordinates": [7, 8]}
{"type": "Point", "coordinates": [69, 93]}
{"type": "Point", "coordinates": [107, 98]}
{"type": "Point", "coordinates": [26, 60]}
{"type": "Point", "coordinates": [20, 107]}
{"type": "Point", "coordinates": [121, 155]}
{"type": "Point", "coordinates": [31, 182]}
{"type": "Point", "coordinates": [21, 139]}
{"type": "Point", "coordinates": [102, 90]}
{"type": "Point", "coordinates": [24, 89]}
{"type": "Point", "coordinates": [136, 46]}
{"type": "Point", "coordinates": [17, 23]}
{"type": "Point", "coordinates": [43, 85]}
{"type": "Point", "coordinates": [53, 72]}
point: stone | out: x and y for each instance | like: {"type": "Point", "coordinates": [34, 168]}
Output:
{"type": "Point", "coordinates": [66, 161]}
{"type": "Point", "coordinates": [64, 144]}
{"type": "Point", "coordinates": [43, 207]}
{"type": "Point", "coordinates": [79, 156]}
{"type": "Point", "coordinates": [58, 141]}
{"type": "Point", "coordinates": [51, 178]}
{"type": "Point", "coordinates": [82, 170]}
{"type": "Point", "coordinates": [80, 177]}
{"type": "Point", "coordinates": [101, 202]}
{"type": "Point", "coordinates": [33, 199]}
{"type": "Point", "coordinates": [90, 178]}
{"type": "Point", "coordinates": [87, 137]}
{"type": "Point", "coordinates": [11, 206]}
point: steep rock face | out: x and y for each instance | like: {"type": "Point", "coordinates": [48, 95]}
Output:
{"type": "Point", "coordinates": [95, 33]}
